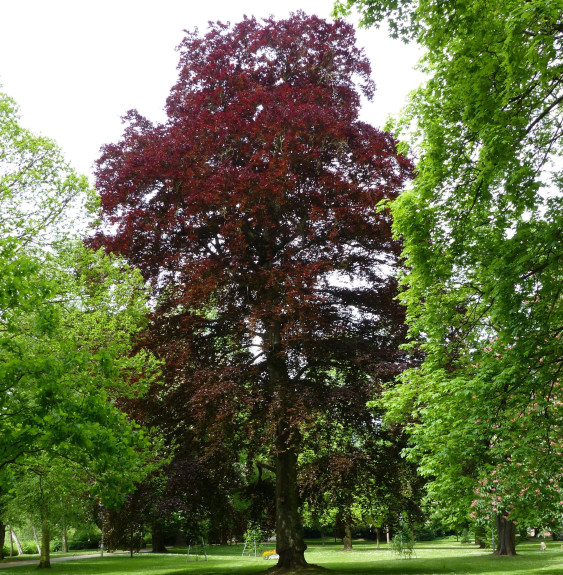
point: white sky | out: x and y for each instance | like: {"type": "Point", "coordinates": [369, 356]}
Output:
{"type": "Point", "coordinates": [76, 66]}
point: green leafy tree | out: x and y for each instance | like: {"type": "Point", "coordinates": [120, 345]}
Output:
{"type": "Point", "coordinates": [483, 246]}
{"type": "Point", "coordinates": [41, 196]}
{"type": "Point", "coordinates": [62, 362]}
{"type": "Point", "coordinates": [50, 494]}
{"type": "Point", "coordinates": [68, 320]}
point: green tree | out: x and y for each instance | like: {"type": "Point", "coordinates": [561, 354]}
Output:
{"type": "Point", "coordinates": [41, 196]}
{"type": "Point", "coordinates": [484, 253]}
{"type": "Point", "coordinates": [62, 362]}
{"type": "Point", "coordinates": [50, 494]}
{"type": "Point", "coordinates": [68, 321]}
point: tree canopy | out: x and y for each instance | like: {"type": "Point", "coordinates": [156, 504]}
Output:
{"type": "Point", "coordinates": [253, 212]}
{"type": "Point", "coordinates": [68, 319]}
{"type": "Point", "coordinates": [482, 233]}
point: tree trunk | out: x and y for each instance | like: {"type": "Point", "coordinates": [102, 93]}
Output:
{"type": "Point", "coordinates": [224, 536]}
{"type": "Point", "coordinates": [45, 558]}
{"type": "Point", "coordinates": [36, 539]}
{"type": "Point", "coordinates": [506, 534]}
{"type": "Point", "coordinates": [17, 542]}
{"type": "Point", "coordinates": [347, 539]}
{"type": "Point", "coordinates": [2, 539]}
{"type": "Point", "coordinates": [290, 544]}
{"type": "Point", "coordinates": [158, 535]}
{"type": "Point", "coordinates": [377, 536]}
{"type": "Point", "coordinates": [323, 536]}
{"type": "Point", "coordinates": [64, 539]}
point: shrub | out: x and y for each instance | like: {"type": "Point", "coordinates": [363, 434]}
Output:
{"type": "Point", "coordinates": [269, 554]}
{"type": "Point", "coordinates": [425, 534]}
{"type": "Point", "coordinates": [86, 536]}
{"type": "Point", "coordinates": [29, 547]}
{"type": "Point", "coordinates": [465, 537]}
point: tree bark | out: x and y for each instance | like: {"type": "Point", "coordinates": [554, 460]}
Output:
{"type": "Point", "coordinates": [2, 539]}
{"type": "Point", "coordinates": [16, 541]}
{"type": "Point", "coordinates": [45, 557]}
{"type": "Point", "coordinates": [347, 539]}
{"type": "Point", "coordinates": [506, 534]}
{"type": "Point", "coordinates": [290, 544]}
{"type": "Point", "coordinates": [64, 539]}
{"type": "Point", "coordinates": [224, 536]}
{"type": "Point", "coordinates": [36, 539]}
{"type": "Point", "coordinates": [157, 530]}
{"type": "Point", "coordinates": [377, 534]}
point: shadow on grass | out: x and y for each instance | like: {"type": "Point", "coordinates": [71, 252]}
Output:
{"type": "Point", "coordinates": [227, 561]}
{"type": "Point", "coordinates": [484, 565]}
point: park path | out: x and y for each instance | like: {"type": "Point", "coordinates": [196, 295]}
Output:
{"type": "Point", "coordinates": [59, 559]}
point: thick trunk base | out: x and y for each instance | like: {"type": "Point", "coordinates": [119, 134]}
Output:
{"type": "Point", "coordinates": [45, 557]}
{"type": "Point", "coordinates": [506, 533]}
{"type": "Point", "coordinates": [290, 544]}
{"type": "Point", "coordinates": [347, 540]}
{"type": "Point", "coordinates": [296, 569]}
{"type": "Point", "coordinates": [290, 563]}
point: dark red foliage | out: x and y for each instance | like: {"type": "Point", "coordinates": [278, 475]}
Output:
{"type": "Point", "coordinates": [253, 212]}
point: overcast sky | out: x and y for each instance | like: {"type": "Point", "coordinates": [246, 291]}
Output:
{"type": "Point", "coordinates": [76, 66]}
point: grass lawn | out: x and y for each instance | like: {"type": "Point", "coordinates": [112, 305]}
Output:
{"type": "Point", "coordinates": [443, 556]}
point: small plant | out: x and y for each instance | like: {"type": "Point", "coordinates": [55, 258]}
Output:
{"type": "Point", "coordinates": [403, 543]}
{"type": "Point", "coordinates": [252, 539]}
{"type": "Point", "coordinates": [253, 533]}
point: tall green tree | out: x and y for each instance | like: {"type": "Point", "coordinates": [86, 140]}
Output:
{"type": "Point", "coordinates": [68, 320]}
{"type": "Point", "coordinates": [484, 251]}
{"type": "Point", "coordinates": [63, 357]}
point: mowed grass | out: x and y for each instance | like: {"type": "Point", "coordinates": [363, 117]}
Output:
{"type": "Point", "coordinates": [444, 556]}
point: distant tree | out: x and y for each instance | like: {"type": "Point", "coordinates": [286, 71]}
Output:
{"type": "Point", "coordinates": [484, 249]}
{"type": "Point", "coordinates": [60, 363]}
{"type": "Point", "coordinates": [48, 494]}
{"type": "Point", "coordinates": [358, 476]}
{"type": "Point", "coordinates": [253, 212]}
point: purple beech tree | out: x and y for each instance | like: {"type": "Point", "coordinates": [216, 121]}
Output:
{"type": "Point", "coordinates": [254, 213]}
